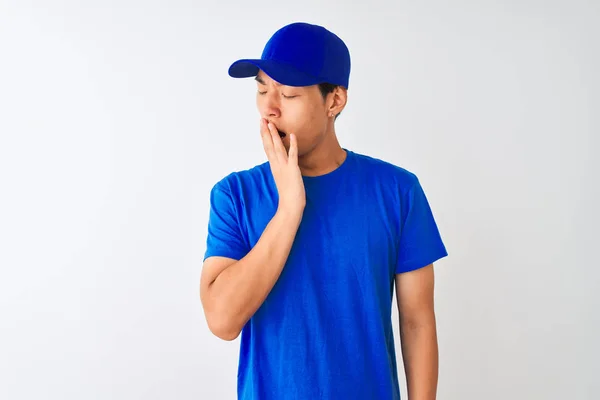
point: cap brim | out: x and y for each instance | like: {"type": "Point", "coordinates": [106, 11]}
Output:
{"type": "Point", "coordinates": [280, 72]}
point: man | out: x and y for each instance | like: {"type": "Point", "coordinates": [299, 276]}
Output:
{"type": "Point", "coordinates": [304, 251]}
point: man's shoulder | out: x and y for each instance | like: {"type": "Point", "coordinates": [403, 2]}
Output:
{"type": "Point", "coordinates": [388, 171]}
{"type": "Point", "coordinates": [238, 178]}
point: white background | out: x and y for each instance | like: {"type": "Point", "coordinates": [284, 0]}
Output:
{"type": "Point", "coordinates": [117, 117]}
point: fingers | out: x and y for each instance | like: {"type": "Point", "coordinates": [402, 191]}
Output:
{"type": "Point", "coordinates": [293, 153]}
{"type": "Point", "coordinates": [277, 143]}
{"type": "Point", "coordinates": [266, 139]}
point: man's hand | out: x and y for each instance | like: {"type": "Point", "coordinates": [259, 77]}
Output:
{"type": "Point", "coordinates": [284, 168]}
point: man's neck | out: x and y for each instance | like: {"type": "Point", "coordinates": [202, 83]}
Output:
{"type": "Point", "coordinates": [324, 158]}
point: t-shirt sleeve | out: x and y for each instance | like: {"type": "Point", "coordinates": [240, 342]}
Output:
{"type": "Point", "coordinates": [420, 240]}
{"type": "Point", "coordinates": [224, 236]}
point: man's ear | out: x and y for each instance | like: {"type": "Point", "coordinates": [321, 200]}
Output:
{"type": "Point", "coordinates": [339, 98]}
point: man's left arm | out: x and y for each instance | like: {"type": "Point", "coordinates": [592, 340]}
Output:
{"type": "Point", "coordinates": [418, 332]}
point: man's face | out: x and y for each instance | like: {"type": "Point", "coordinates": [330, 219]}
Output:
{"type": "Point", "coordinates": [298, 110]}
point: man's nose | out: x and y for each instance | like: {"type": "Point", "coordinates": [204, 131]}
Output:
{"type": "Point", "coordinates": [271, 107]}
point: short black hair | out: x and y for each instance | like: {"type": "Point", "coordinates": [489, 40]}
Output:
{"type": "Point", "coordinates": [327, 88]}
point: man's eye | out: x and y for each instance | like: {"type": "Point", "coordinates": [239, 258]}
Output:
{"type": "Point", "coordinates": [288, 97]}
{"type": "Point", "coordinates": [259, 92]}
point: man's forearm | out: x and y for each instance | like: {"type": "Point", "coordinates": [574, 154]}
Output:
{"type": "Point", "coordinates": [420, 355]}
{"type": "Point", "coordinates": [238, 291]}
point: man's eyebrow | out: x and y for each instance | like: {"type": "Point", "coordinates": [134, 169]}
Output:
{"type": "Point", "coordinates": [262, 82]}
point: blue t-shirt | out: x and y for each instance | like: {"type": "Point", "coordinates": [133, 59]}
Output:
{"type": "Point", "coordinates": [325, 329]}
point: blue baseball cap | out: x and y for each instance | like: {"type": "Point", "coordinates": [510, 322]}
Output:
{"type": "Point", "coordinates": [300, 54]}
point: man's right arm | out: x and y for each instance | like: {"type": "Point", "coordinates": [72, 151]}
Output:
{"type": "Point", "coordinates": [231, 291]}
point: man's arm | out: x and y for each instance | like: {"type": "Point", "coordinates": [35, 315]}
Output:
{"type": "Point", "coordinates": [418, 333]}
{"type": "Point", "coordinates": [231, 291]}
